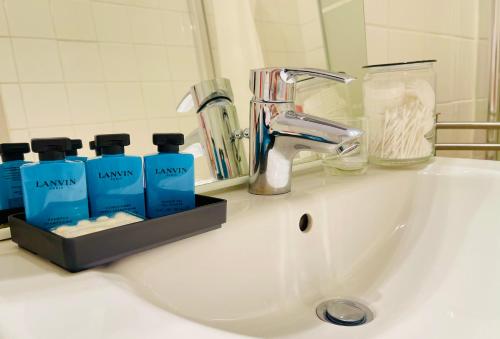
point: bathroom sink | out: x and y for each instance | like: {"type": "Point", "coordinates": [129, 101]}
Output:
{"type": "Point", "coordinates": [419, 247]}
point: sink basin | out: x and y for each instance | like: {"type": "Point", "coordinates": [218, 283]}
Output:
{"type": "Point", "coordinates": [419, 247]}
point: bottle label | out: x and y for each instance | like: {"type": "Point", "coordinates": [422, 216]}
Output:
{"type": "Point", "coordinates": [171, 171]}
{"type": "Point", "coordinates": [55, 184]}
{"type": "Point", "coordinates": [115, 175]}
{"type": "Point", "coordinates": [11, 190]}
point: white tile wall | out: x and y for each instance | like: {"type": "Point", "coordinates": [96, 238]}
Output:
{"type": "Point", "coordinates": [153, 64]}
{"type": "Point", "coordinates": [177, 28]}
{"type": "Point", "coordinates": [46, 105]}
{"type": "Point", "coordinates": [482, 71]}
{"type": "Point", "coordinates": [4, 30]}
{"type": "Point", "coordinates": [306, 12]}
{"type": "Point", "coordinates": [29, 18]}
{"type": "Point", "coordinates": [311, 35]}
{"type": "Point", "coordinates": [13, 103]}
{"type": "Point", "coordinates": [146, 26]}
{"type": "Point", "coordinates": [293, 38]}
{"type": "Point", "coordinates": [81, 61]}
{"type": "Point", "coordinates": [376, 12]}
{"type": "Point", "coordinates": [19, 135]}
{"type": "Point", "coordinates": [73, 20]}
{"type": "Point", "coordinates": [465, 69]}
{"type": "Point", "coordinates": [119, 62]}
{"type": "Point", "coordinates": [82, 67]}
{"type": "Point", "coordinates": [7, 66]}
{"type": "Point", "coordinates": [176, 5]}
{"type": "Point", "coordinates": [183, 60]}
{"type": "Point", "coordinates": [37, 60]}
{"type": "Point", "coordinates": [125, 101]}
{"type": "Point", "coordinates": [88, 103]}
{"type": "Point", "coordinates": [112, 22]}
{"type": "Point", "coordinates": [316, 58]}
{"type": "Point", "coordinates": [377, 44]}
{"type": "Point", "coordinates": [158, 99]}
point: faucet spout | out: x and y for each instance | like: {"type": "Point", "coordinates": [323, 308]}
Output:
{"type": "Point", "coordinates": [278, 133]}
{"type": "Point", "coordinates": [317, 134]}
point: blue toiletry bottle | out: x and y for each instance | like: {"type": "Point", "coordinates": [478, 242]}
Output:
{"type": "Point", "coordinates": [54, 190]}
{"type": "Point", "coordinates": [11, 190]}
{"type": "Point", "coordinates": [72, 154]}
{"type": "Point", "coordinates": [115, 180]}
{"type": "Point", "coordinates": [169, 177]}
{"type": "Point", "coordinates": [93, 148]}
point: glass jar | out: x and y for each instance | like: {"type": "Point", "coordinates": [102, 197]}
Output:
{"type": "Point", "coordinates": [355, 162]}
{"type": "Point", "coordinates": [400, 105]}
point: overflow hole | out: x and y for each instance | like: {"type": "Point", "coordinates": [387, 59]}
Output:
{"type": "Point", "coordinates": [305, 222]}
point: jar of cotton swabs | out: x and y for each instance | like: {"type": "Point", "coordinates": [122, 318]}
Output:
{"type": "Point", "coordinates": [400, 105]}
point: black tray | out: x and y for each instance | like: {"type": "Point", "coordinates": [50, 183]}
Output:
{"type": "Point", "coordinates": [4, 214]}
{"type": "Point", "coordinates": [90, 250]}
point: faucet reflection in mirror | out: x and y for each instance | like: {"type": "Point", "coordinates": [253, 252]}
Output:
{"type": "Point", "coordinates": [278, 132]}
{"type": "Point", "coordinates": [218, 131]}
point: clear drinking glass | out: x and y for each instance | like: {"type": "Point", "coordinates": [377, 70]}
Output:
{"type": "Point", "coordinates": [399, 102]}
{"type": "Point", "coordinates": [355, 162]}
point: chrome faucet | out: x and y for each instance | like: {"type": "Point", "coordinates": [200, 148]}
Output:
{"type": "Point", "coordinates": [278, 132]}
{"type": "Point", "coordinates": [218, 129]}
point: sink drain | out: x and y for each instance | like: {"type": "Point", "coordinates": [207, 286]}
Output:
{"type": "Point", "coordinates": [344, 312]}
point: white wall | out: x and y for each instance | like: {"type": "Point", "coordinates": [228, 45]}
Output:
{"type": "Point", "coordinates": [447, 30]}
{"type": "Point", "coordinates": [82, 67]}
{"type": "Point", "coordinates": [290, 32]}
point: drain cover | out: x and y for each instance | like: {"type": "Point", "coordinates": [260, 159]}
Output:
{"type": "Point", "coordinates": [344, 312]}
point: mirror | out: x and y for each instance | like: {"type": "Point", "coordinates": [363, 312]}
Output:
{"type": "Point", "coordinates": [81, 68]}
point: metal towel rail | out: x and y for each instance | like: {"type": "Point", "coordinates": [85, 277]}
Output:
{"type": "Point", "coordinates": [471, 146]}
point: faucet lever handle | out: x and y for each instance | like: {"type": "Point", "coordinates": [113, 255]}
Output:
{"type": "Point", "coordinates": [277, 84]}
{"type": "Point", "coordinates": [186, 103]}
{"type": "Point", "coordinates": [205, 91]}
{"type": "Point", "coordinates": [291, 75]}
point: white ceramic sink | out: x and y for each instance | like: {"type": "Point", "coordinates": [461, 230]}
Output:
{"type": "Point", "coordinates": [420, 248]}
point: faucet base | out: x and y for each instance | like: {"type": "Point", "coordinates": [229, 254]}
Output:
{"type": "Point", "coordinates": [266, 191]}
{"type": "Point", "coordinates": [268, 184]}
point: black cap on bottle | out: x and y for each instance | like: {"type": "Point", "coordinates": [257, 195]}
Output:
{"type": "Point", "coordinates": [14, 151]}
{"type": "Point", "coordinates": [112, 143]}
{"type": "Point", "coordinates": [168, 142]}
{"type": "Point", "coordinates": [76, 144]}
{"type": "Point", "coordinates": [51, 148]}
{"type": "Point", "coordinates": [93, 148]}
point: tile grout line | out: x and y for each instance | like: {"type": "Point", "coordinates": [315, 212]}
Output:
{"type": "Point", "coordinates": [101, 60]}
{"type": "Point", "coordinates": [98, 41]}
{"type": "Point", "coordinates": [63, 72]}
{"type": "Point", "coordinates": [16, 66]}
{"type": "Point", "coordinates": [137, 6]}
{"type": "Point", "coordinates": [409, 30]}
{"type": "Point", "coordinates": [137, 66]}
